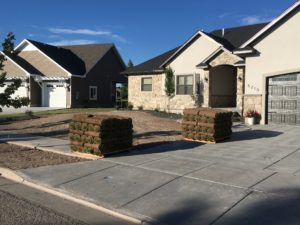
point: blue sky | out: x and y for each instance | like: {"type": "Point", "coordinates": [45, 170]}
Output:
{"type": "Point", "coordinates": [140, 29]}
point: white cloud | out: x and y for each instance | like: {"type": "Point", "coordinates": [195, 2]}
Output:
{"type": "Point", "coordinates": [103, 33]}
{"type": "Point", "coordinates": [72, 42]}
{"type": "Point", "coordinates": [254, 19]}
{"type": "Point", "coordinates": [79, 31]}
{"type": "Point", "coordinates": [224, 15]}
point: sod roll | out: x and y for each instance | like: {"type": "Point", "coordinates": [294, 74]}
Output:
{"type": "Point", "coordinates": [205, 124]}
{"type": "Point", "coordinates": [100, 134]}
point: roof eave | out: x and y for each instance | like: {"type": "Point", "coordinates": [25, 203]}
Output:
{"type": "Point", "coordinates": [198, 33]}
{"type": "Point", "coordinates": [270, 25]}
{"type": "Point", "coordinates": [28, 41]}
{"type": "Point", "coordinates": [143, 72]}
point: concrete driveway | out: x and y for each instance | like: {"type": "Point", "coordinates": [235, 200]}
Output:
{"type": "Point", "coordinates": [12, 110]}
{"type": "Point", "coordinates": [252, 179]}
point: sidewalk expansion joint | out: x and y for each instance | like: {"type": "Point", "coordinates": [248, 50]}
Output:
{"type": "Point", "coordinates": [160, 186]}
{"type": "Point", "coordinates": [234, 205]}
{"type": "Point", "coordinates": [262, 180]}
{"type": "Point", "coordinates": [267, 167]}
{"type": "Point", "coordinates": [86, 175]}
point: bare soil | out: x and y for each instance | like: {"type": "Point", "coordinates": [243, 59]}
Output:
{"type": "Point", "coordinates": [15, 157]}
{"type": "Point", "coordinates": [148, 129]}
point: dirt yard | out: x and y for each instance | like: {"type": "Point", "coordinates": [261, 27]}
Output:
{"type": "Point", "coordinates": [15, 157]}
{"type": "Point", "coordinates": [148, 129]}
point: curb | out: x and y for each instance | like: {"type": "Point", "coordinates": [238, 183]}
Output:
{"type": "Point", "coordinates": [13, 176]}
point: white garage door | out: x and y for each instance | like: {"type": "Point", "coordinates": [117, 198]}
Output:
{"type": "Point", "coordinates": [54, 95]}
{"type": "Point", "coordinates": [21, 92]}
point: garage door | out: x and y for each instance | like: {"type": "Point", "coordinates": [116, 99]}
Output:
{"type": "Point", "coordinates": [284, 99]}
{"type": "Point", "coordinates": [54, 95]}
{"type": "Point", "coordinates": [21, 92]}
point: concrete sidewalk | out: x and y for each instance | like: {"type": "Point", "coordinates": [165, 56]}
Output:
{"type": "Point", "coordinates": [252, 179]}
{"type": "Point", "coordinates": [54, 145]}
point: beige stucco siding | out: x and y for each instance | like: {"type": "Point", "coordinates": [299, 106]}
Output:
{"type": "Point", "coordinates": [279, 52]}
{"type": "Point", "coordinates": [43, 64]}
{"type": "Point", "coordinates": [198, 51]}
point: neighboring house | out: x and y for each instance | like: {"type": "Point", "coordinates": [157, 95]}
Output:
{"type": "Point", "coordinates": [252, 67]}
{"type": "Point", "coordinates": [66, 76]}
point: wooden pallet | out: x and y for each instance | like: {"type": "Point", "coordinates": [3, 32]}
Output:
{"type": "Point", "coordinates": [207, 142]}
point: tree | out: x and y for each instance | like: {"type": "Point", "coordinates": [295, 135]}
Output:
{"type": "Point", "coordinates": [130, 63]}
{"type": "Point", "coordinates": [169, 84]}
{"type": "Point", "coordinates": [5, 96]}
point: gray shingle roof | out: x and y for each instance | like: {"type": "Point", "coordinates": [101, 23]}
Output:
{"type": "Point", "coordinates": [76, 59]}
{"type": "Point", "coordinates": [232, 39]}
{"type": "Point", "coordinates": [152, 65]}
{"type": "Point", "coordinates": [236, 36]}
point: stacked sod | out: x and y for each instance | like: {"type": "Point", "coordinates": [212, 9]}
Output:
{"type": "Point", "coordinates": [207, 125]}
{"type": "Point", "coordinates": [100, 134]}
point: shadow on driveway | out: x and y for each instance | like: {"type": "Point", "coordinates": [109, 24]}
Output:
{"type": "Point", "coordinates": [253, 134]}
{"type": "Point", "coordinates": [255, 209]}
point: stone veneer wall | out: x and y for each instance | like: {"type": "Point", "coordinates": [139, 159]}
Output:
{"type": "Point", "coordinates": [240, 89]}
{"type": "Point", "coordinates": [155, 99]}
{"type": "Point", "coordinates": [253, 102]}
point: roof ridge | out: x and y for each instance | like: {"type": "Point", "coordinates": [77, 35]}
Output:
{"type": "Point", "coordinates": [112, 44]}
{"type": "Point", "coordinates": [237, 27]}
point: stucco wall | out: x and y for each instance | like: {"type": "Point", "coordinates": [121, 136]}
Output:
{"type": "Point", "coordinates": [279, 52]}
{"type": "Point", "coordinates": [198, 51]}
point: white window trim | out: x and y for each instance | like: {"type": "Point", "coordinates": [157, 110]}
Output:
{"type": "Point", "coordinates": [96, 94]}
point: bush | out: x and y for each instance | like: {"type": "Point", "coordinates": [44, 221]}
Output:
{"type": "Point", "coordinates": [29, 113]}
{"type": "Point", "coordinates": [140, 108]}
{"type": "Point", "coordinates": [130, 106]}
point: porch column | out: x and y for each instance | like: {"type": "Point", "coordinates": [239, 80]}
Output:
{"type": "Point", "coordinates": [240, 89]}
{"type": "Point", "coordinates": [206, 91]}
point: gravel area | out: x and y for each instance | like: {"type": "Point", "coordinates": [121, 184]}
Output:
{"type": "Point", "coordinates": [15, 157]}
{"type": "Point", "coordinates": [17, 211]}
{"type": "Point", "coordinates": [148, 129]}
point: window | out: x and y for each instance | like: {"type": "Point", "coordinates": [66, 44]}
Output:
{"type": "Point", "coordinates": [147, 84]}
{"type": "Point", "coordinates": [184, 85]}
{"type": "Point", "coordinates": [93, 92]}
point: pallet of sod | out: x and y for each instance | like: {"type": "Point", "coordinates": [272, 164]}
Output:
{"type": "Point", "coordinates": [100, 134]}
{"type": "Point", "coordinates": [206, 125]}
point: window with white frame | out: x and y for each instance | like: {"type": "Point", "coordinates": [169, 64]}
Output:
{"type": "Point", "coordinates": [93, 92]}
{"type": "Point", "coordinates": [184, 84]}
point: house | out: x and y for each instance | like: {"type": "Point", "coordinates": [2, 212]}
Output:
{"type": "Point", "coordinates": [253, 67]}
{"type": "Point", "coordinates": [66, 76]}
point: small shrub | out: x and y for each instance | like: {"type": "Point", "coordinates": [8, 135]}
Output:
{"type": "Point", "coordinates": [130, 106]}
{"type": "Point", "coordinates": [156, 110]}
{"type": "Point", "coordinates": [29, 113]}
{"type": "Point", "coordinates": [140, 108]}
